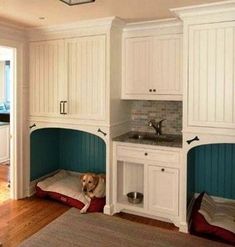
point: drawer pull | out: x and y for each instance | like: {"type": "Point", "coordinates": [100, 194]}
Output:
{"type": "Point", "coordinates": [150, 90]}
{"type": "Point", "coordinates": [154, 90]}
{"type": "Point", "coordinates": [145, 154]}
{"type": "Point", "coordinates": [194, 139]}
{"type": "Point", "coordinates": [162, 169]}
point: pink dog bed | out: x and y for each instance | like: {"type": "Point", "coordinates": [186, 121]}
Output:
{"type": "Point", "coordinates": [66, 187]}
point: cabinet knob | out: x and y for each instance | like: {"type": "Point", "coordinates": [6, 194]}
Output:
{"type": "Point", "coordinates": [150, 90]}
{"type": "Point", "coordinates": [162, 169]}
{"type": "Point", "coordinates": [154, 90]}
{"type": "Point", "coordinates": [145, 154]}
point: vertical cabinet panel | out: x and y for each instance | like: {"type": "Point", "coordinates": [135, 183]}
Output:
{"type": "Point", "coordinates": [211, 95]}
{"type": "Point", "coordinates": [86, 77]}
{"type": "Point", "coordinates": [137, 65]}
{"type": "Point", "coordinates": [167, 64]}
{"type": "Point", "coordinates": [46, 77]}
{"type": "Point", "coordinates": [163, 190]}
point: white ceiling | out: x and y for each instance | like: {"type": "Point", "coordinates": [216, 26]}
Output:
{"type": "Point", "coordinates": [27, 12]}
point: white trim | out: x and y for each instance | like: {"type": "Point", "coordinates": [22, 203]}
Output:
{"type": "Point", "coordinates": [145, 25]}
{"type": "Point", "coordinates": [204, 9]}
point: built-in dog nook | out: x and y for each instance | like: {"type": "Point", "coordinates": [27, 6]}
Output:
{"type": "Point", "coordinates": [211, 169]}
{"type": "Point", "coordinates": [52, 149]}
{"type": "Point", "coordinates": [58, 159]}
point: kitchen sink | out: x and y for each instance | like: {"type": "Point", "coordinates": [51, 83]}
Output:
{"type": "Point", "coordinates": [152, 137]}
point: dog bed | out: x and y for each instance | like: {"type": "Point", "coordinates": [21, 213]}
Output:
{"type": "Point", "coordinates": [214, 219]}
{"type": "Point", "coordinates": [65, 187]}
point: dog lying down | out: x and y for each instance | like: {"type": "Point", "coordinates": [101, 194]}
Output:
{"type": "Point", "coordinates": [93, 185]}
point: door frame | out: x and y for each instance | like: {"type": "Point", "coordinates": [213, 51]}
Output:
{"type": "Point", "coordinates": [19, 176]}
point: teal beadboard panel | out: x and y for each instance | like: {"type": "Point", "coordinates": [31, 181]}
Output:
{"type": "Point", "coordinates": [211, 168]}
{"type": "Point", "coordinates": [44, 150]}
{"type": "Point", "coordinates": [73, 150]}
{"type": "Point", "coordinates": [82, 152]}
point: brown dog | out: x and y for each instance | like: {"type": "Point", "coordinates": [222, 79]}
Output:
{"type": "Point", "coordinates": [93, 185]}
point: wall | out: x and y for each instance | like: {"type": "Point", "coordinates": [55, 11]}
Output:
{"type": "Point", "coordinates": [53, 149]}
{"type": "Point", "coordinates": [211, 168]}
{"type": "Point", "coordinates": [143, 111]}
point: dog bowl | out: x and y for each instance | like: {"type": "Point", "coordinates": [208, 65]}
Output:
{"type": "Point", "coordinates": [135, 197]}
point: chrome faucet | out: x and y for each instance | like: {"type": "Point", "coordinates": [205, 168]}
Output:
{"type": "Point", "coordinates": [156, 125]}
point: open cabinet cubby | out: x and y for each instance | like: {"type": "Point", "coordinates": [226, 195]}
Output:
{"type": "Point", "coordinates": [130, 178]}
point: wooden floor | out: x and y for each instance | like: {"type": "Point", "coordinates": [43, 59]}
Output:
{"type": "Point", "coordinates": [20, 219]}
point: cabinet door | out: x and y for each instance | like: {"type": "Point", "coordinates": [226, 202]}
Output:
{"type": "Point", "coordinates": [47, 69]}
{"type": "Point", "coordinates": [137, 65]}
{"type": "Point", "coordinates": [163, 190]}
{"type": "Point", "coordinates": [86, 59]}
{"type": "Point", "coordinates": [211, 95]}
{"type": "Point", "coordinates": [4, 143]}
{"type": "Point", "coordinates": [167, 65]}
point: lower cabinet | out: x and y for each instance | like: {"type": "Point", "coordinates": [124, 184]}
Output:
{"type": "Point", "coordinates": [163, 183]}
{"type": "Point", "coordinates": [154, 172]}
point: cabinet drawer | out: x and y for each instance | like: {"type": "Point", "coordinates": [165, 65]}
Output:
{"type": "Point", "coordinates": [148, 154]}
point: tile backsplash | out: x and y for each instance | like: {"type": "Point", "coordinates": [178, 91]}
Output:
{"type": "Point", "coordinates": [143, 111]}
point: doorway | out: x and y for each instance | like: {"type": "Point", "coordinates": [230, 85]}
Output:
{"type": "Point", "coordinates": [7, 75]}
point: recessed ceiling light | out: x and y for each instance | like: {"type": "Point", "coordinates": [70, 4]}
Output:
{"type": "Point", "coordinates": [74, 2]}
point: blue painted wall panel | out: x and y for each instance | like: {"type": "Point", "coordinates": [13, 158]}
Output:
{"type": "Point", "coordinates": [44, 149]}
{"type": "Point", "coordinates": [53, 149]}
{"type": "Point", "coordinates": [211, 168]}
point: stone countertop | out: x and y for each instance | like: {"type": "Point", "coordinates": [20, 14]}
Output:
{"type": "Point", "coordinates": [138, 138]}
{"type": "Point", "coordinates": [4, 123]}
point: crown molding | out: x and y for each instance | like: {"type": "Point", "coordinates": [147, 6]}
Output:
{"type": "Point", "coordinates": [12, 31]}
{"type": "Point", "coordinates": [206, 10]}
{"type": "Point", "coordinates": [75, 28]}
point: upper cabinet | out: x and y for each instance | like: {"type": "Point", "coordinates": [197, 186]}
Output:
{"type": "Point", "coordinates": [209, 69]}
{"type": "Point", "coordinates": [86, 67]}
{"type": "Point", "coordinates": [47, 77]}
{"type": "Point", "coordinates": [211, 95]}
{"type": "Point", "coordinates": [152, 61]}
{"type": "Point", "coordinates": [70, 74]}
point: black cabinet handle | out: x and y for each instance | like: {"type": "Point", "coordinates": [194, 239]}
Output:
{"type": "Point", "coordinates": [99, 130]}
{"type": "Point", "coordinates": [192, 140]}
{"type": "Point", "coordinates": [146, 154]}
{"type": "Point", "coordinates": [154, 90]}
{"type": "Point", "coordinates": [150, 90]}
{"type": "Point", "coordinates": [64, 110]}
{"type": "Point", "coordinates": [32, 126]}
{"type": "Point", "coordinates": [61, 107]}
{"type": "Point", "coordinates": [162, 169]}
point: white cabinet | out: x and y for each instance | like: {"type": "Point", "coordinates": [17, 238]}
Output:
{"type": "Point", "coordinates": [137, 65]}
{"type": "Point", "coordinates": [152, 65]}
{"type": "Point", "coordinates": [47, 77]}
{"type": "Point", "coordinates": [86, 77]}
{"type": "Point", "coordinates": [153, 171]}
{"type": "Point", "coordinates": [211, 96]}
{"type": "Point", "coordinates": [163, 184]}
{"type": "Point", "coordinates": [68, 78]}
{"type": "Point", "coordinates": [4, 143]}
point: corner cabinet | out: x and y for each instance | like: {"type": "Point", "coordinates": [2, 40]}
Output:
{"type": "Point", "coordinates": [152, 63]}
{"type": "Point", "coordinates": [151, 170]}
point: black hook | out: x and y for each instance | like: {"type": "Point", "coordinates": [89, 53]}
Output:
{"type": "Point", "coordinates": [34, 125]}
{"type": "Point", "coordinates": [99, 130]}
{"type": "Point", "coordinates": [194, 139]}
